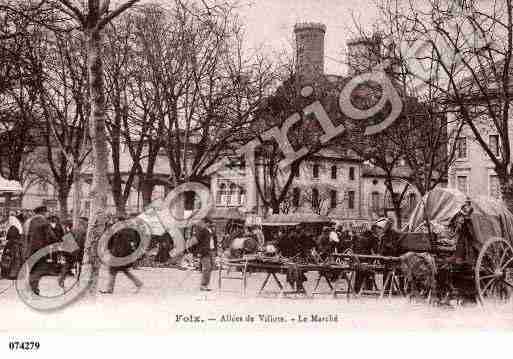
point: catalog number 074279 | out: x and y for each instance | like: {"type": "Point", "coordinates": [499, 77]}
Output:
{"type": "Point", "coordinates": [27, 346]}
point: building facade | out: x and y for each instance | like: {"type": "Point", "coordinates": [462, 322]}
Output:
{"type": "Point", "coordinates": [473, 172]}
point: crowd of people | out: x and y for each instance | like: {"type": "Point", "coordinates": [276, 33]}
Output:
{"type": "Point", "coordinates": [30, 231]}
{"type": "Point", "coordinates": [28, 234]}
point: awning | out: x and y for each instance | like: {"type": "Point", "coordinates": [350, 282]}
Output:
{"type": "Point", "coordinates": [226, 213]}
{"type": "Point", "coordinates": [294, 219]}
{"type": "Point", "coordinates": [7, 186]}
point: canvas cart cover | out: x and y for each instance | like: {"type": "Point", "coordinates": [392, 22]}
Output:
{"type": "Point", "coordinates": [490, 217]}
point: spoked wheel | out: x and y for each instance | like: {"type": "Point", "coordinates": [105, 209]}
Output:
{"type": "Point", "coordinates": [494, 271]}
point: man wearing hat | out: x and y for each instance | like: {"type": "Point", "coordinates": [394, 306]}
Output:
{"type": "Point", "coordinates": [39, 234]}
{"type": "Point", "coordinates": [207, 245]}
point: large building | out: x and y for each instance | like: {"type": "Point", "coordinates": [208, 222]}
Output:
{"type": "Point", "coordinates": [333, 183]}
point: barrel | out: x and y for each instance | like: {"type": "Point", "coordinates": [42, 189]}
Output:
{"type": "Point", "coordinates": [244, 244]}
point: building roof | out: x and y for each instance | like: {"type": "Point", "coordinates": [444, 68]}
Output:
{"type": "Point", "coordinates": [343, 154]}
{"type": "Point", "coordinates": [374, 171]}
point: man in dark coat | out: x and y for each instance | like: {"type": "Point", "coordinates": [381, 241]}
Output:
{"type": "Point", "coordinates": [38, 234]}
{"type": "Point", "coordinates": [121, 245]}
{"type": "Point", "coordinates": [74, 259]}
{"type": "Point", "coordinates": [366, 244]}
{"type": "Point", "coordinates": [12, 255]}
{"type": "Point", "coordinates": [389, 240]}
{"type": "Point", "coordinates": [207, 245]}
{"type": "Point", "coordinates": [164, 245]}
{"type": "Point", "coordinates": [286, 244]}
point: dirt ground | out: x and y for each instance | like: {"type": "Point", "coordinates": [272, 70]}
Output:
{"type": "Point", "coordinates": [170, 300]}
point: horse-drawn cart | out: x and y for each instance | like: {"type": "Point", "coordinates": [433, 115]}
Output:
{"type": "Point", "coordinates": [478, 264]}
{"type": "Point", "coordinates": [490, 238]}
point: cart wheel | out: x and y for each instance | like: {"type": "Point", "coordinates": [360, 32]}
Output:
{"type": "Point", "coordinates": [494, 270]}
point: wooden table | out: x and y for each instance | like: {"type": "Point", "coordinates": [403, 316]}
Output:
{"type": "Point", "coordinates": [272, 268]}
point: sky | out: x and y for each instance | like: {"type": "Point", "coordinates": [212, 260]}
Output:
{"type": "Point", "coordinates": [271, 22]}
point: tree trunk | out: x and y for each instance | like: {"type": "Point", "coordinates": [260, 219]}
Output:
{"type": "Point", "coordinates": [117, 195]}
{"type": "Point", "coordinates": [147, 193]}
{"type": "Point", "coordinates": [63, 200]}
{"type": "Point", "coordinates": [77, 189]}
{"type": "Point", "coordinates": [121, 209]}
{"type": "Point", "coordinates": [398, 214]}
{"type": "Point", "coordinates": [100, 152]}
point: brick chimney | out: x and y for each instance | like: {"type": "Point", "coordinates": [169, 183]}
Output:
{"type": "Point", "coordinates": [309, 50]}
{"type": "Point", "coordinates": [363, 54]}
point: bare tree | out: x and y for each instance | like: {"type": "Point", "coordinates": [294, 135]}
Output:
{"type": "Point", "coordinates": [465, 52]}
{"type": "Point", "coordinates": [217, 99]}
{"type": "Point", "coordinates": [122, 68]}
{"type": "Point", "coordinates": [19, 110]}
{"type": "Point", "coordinates": [65, 107]}
{"type": "Point", "coordinates": [91, 18]}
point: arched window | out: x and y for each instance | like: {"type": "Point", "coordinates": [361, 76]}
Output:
{"type": "Point", "coordinates": [351, 174]}
{"type": "Point", "coordinates": [296, 192]}
{"type": "Point", "coordinates": [375, 201]}
{"type": "Point", "coordinates": [333, 172]}
{"type": "Point", "coordinates": [350, 199]}
{"type": "Point", "coordinates": [315, 172]}
{"type": "Point", "coordinates": [220, 193]}
{"type": "Point", "coordinates": [333, 199]}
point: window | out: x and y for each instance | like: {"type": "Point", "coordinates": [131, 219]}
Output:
{"type": "Point", "coordinates": [315, 196]}
{"type": "Point", "coordinates": [375, 201]}
{"type": "Point", "coordinates": [351, 173]}
{"type": "Point", "coordinates": [350, 199]}
{"type": "Point", "coordinates": [87, 208]}
{"type": "Point", "coordinates": [296, 170]}
{"type": "Point", "coordinates": [412, 201]}
{"type": "Point", "coordinates": [43, 188]}
{"type": "Point", "coordinates": [315, 171]}
{"type": "Point", "coordinates": [462, 182]}
{"type": "Point", "coordinates": [333, 172]}
{"type": "Point", "coordinates": [220, 193]}
{"type": "Point", "coordinates": [333, 199]}
{"type": "Point", "coordinates": [296, 193]}
{"type": "Point", "coordinates": [242, 195]}
{"type": "Point", "coordinates": [232, 195]}
{"type": "Point", "coordinates": [189, 200]}
{"type": "Point", "coordinates": [494, 144]}
{"type": "Point", "coordinates": [494, 187]}
{"type": "Point", "coordinates": [461, 147]}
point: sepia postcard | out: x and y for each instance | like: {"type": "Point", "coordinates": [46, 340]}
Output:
{"type": "Point", "coordinates": [269, 166]}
